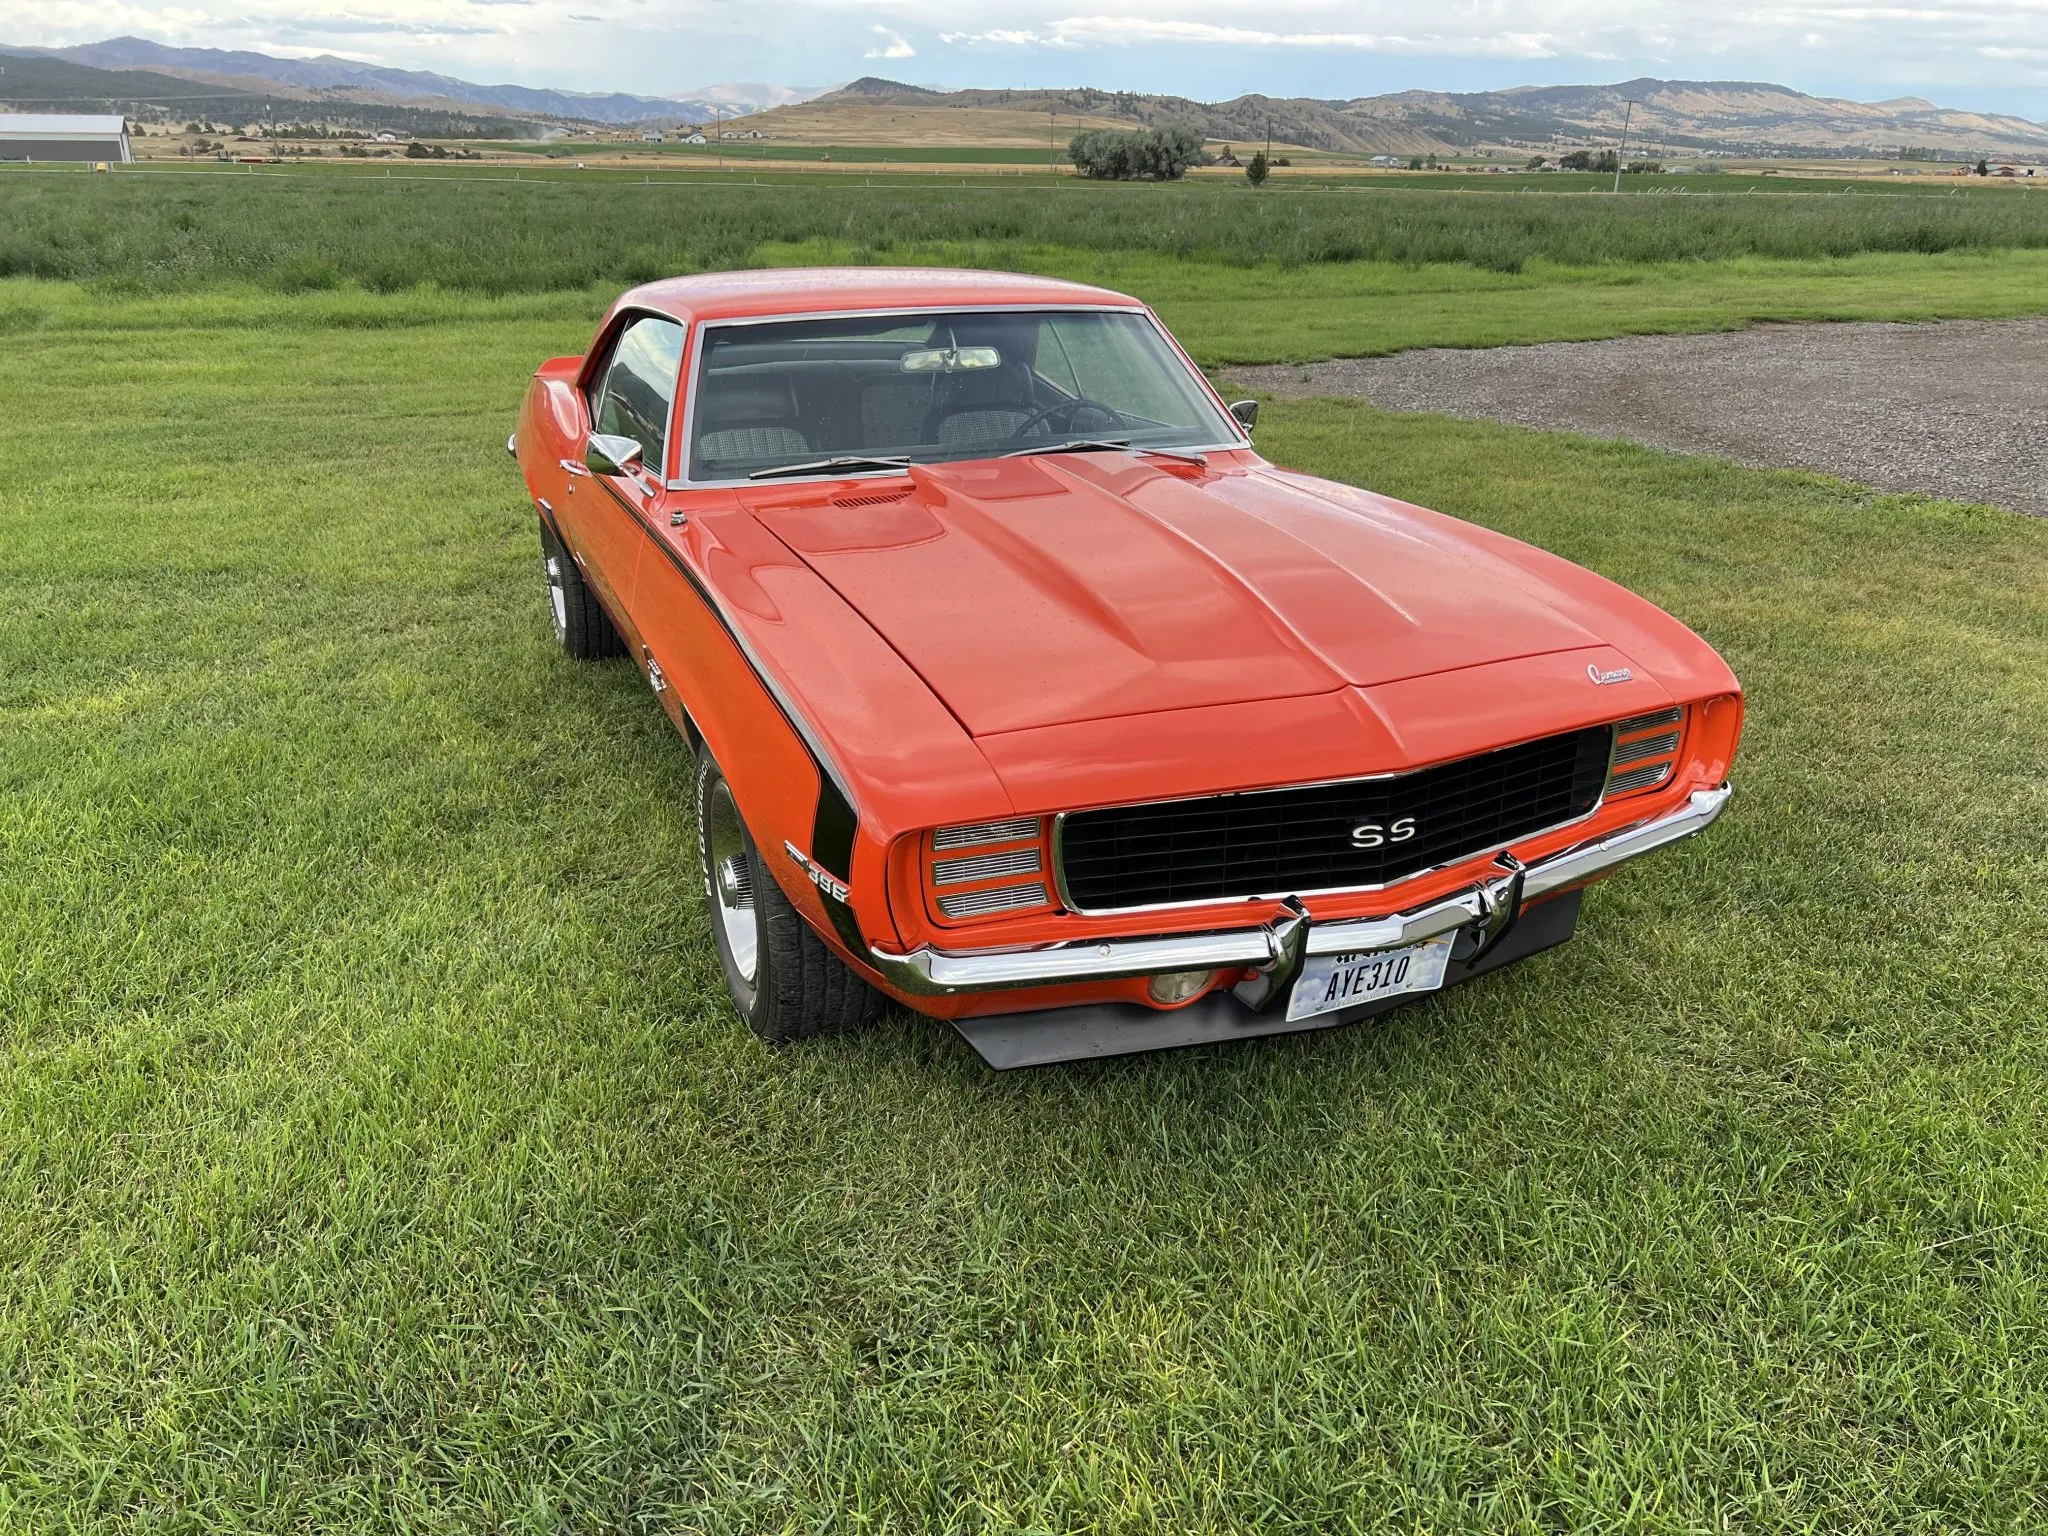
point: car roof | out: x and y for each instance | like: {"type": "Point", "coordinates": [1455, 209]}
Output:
{"type": "Point", "coordinates": [836, 290]}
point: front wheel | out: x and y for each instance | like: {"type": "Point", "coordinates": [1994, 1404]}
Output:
{"type": "Point", "coordinates": [781, 977]}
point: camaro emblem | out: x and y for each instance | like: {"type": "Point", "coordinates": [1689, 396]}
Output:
{"type": "Point", "coordinates": [1602, 679]}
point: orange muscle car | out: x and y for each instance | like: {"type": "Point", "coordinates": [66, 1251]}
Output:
{"type": "Point", "coordinates": [1025, 692]}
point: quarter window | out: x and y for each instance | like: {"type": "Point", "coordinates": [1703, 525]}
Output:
{"type": "Point", "coordinates": [637, 394]}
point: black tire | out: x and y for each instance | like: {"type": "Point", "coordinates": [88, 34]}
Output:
{"type": "Point", "coordinates": [582, 627]}
{"type": "Point", "coordinates": [791, 986]}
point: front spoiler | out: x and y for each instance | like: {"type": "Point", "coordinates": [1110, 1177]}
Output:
{"type": "Point", "coordinates": [1275, 950]}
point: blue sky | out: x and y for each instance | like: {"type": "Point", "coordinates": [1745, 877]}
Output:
{"type": "Point", "coordinates": [1978, 53]}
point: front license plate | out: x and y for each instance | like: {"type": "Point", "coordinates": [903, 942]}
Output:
{"type": "Point", "coordinates": [1343, 981]}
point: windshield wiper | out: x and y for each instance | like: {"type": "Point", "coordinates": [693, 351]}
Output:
{"type": "Point", "coordinates": [1108, 445]}
{"type": "Point", "coordinates": [850, 462]}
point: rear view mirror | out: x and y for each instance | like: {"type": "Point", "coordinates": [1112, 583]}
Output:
{"type": "Point", "coordinates": [951, 359]}
{"type": "Point", "coordinates": [1246, 412]}
{"type": "Point", "coordinates": [608, 454]}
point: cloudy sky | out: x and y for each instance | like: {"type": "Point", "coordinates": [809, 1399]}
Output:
{"type": "Point", "coordinates": [1990, 54]}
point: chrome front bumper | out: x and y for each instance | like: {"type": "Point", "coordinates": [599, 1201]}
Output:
{"type": "Point", "coordinates": [1276, 949]}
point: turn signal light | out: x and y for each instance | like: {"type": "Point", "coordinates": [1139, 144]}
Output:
{"type": "Point", "coordinates": [1177, 987]}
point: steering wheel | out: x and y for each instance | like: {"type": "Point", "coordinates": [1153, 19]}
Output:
{"type": "Point", "coordinates": [1073, 408]}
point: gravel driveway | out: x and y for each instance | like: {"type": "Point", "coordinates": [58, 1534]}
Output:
{"type": "Point", "coordinates": [1957, 409]}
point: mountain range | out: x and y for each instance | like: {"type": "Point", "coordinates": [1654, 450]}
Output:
{"type": "Point", "coordinates": [1670, 116]}
{"type": "Point", "coordinates": [328, 77]}
{"type": "Point", "coordinates": [1664, 116]}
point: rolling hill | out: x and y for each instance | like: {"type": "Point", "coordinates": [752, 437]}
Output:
{"type": "Point", "coordinates": [36, 82]}
{"type": "Point", "coordinates": [1684, 116]}
{"type": "Point", "coordinates": [328, 77]}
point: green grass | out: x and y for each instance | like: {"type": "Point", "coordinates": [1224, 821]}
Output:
{"type": "Point", "coordinates": [1226, 315]}
{"type": "Point", "coordinates": [377, 1151]}
{"type": "Point", "coordinates": [555, 229]}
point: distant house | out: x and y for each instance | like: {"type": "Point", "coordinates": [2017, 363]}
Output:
{"type": "Point", "coordinates": [650, 136]}
{"type": "Point", "coordinates": [695, 138]}
{"type": "Point", "coordinates": [64, 136]}
{"type": "Point", "coordinates": [1386, 162]}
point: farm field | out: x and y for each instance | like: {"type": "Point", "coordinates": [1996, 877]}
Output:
{"type": "Point", "coordinates": [378, 1152]}
{"type": "Point", "coordinates": [1244, 278]}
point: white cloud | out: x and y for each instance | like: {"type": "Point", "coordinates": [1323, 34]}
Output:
{"type": "Point", "coordinates": [1081, 31]}
{"type": "Point", "coordinates": [1211, 48]}
{"type": "Point", "coordinates": [893, 46]}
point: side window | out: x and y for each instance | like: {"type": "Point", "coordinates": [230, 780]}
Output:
{"type": "Point", "coordinates": [636, 393]}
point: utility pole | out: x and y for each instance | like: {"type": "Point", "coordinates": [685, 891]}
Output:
{"type": "Point", "coordinates": [1052, 133]}
{"type": "Point", "coordinates": [1625, 117]}
{"type": "Point", "coordinates": [1269, 138]}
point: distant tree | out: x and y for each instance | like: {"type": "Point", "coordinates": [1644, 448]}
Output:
{"type": "Point", "coordinates": [1415, 162]}
{"type": "Point", "coordinates": [1149, 154]}
{"type": "Point", "coordinates": [1536, 163]}
{"type": "Point", "coordinates": [1283, 160]}
{"type": "Point", "coordinates": [1645, 168]}
{"type": "Point", "coordinates": [1575, 160]}
{"type": "Point", "coordinates": [1983, 168]}
{"type": "Point", "coordinates": [1257, 171]}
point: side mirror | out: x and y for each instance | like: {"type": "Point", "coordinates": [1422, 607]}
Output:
{"type": "Point", "coordinates": [1246, 412]}
{"type": "Point", "coordinates": [608, 454]}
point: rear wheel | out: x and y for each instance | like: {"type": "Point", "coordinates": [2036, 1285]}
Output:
{"type": "Point", "coordinates": [582, 628]}
{"type": "Point", "coordinates": [783, 980]}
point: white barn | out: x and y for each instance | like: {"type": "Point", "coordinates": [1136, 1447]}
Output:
{"type": "Point", "coordinates": [63, 136]}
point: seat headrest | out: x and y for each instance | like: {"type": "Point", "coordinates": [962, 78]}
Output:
{"type": "Point", "coordinates": [753, 397]}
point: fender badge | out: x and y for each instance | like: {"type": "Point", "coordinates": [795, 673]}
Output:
{"type": "Point", "coordinates": [818, 876]}
{"type": "Point", "coordinates": [1602, 679]}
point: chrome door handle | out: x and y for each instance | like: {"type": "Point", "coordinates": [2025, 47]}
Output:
{"type": "Point", "coordinates": [575, 467]}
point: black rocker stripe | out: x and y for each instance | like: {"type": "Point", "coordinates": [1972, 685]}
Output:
{"type": "Point", "coordinates": [836, 821]}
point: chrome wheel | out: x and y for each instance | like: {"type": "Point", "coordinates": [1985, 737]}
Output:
{"type": "Point", "coordinates": [558, 598]}
{"type": "Point", "coordinates": [732, 882]}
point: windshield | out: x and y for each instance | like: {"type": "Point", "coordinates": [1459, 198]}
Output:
{"type": "Point", "coordinates": [961, 384]}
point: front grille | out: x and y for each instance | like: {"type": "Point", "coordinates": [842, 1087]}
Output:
{"type": "Point", "coordinates": [1283, 841]}
{"type": "Point", "coordinates": [1001, 898]}
{"type": "Point", "coordinates": [1645, 752]}
{"type": "Point", "coordinates": [980, 833]}
{"type": "Point", "coordinates": [1638, 778]}
{"type": "Point", "coordinates": [985, 866]}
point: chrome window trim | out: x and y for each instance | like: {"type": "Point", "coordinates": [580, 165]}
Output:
{"type": "Point", "coordinates": [610, 337]}
{"type": "Point", "coordinates": [1059, 829]}
{"type": "Point", "coordinates": [695, 344]}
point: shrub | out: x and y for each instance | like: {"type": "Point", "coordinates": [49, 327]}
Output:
{"type": "Point", "coordinates": [1257, 172]}
{"type": "Point", "coordinates": [1149, 154]}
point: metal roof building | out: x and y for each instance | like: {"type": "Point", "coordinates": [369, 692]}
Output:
{"type": "Point", "coordinates": [63, 136]}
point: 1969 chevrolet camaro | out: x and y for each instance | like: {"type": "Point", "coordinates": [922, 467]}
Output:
{"type": "Point", "coordinates": [1024, 691]}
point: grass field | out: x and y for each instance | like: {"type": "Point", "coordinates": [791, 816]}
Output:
{"type": "Point", "coordinates": [560, 229]}
{"type": "Point", "coordinates": [377, 1151]}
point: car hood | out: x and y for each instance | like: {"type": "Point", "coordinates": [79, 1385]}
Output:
{"type": "Point", "coordinates": [1044, 591]}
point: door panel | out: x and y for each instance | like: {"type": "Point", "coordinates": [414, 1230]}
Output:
{"type": "Point", "coordinates": [632, 395]}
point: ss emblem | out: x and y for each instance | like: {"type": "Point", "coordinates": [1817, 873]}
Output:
{"type": "Point", "coordinates": [1370, 834]}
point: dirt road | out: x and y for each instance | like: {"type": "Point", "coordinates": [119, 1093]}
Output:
{"type": "Point", "coordinates": [1957, 409]}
